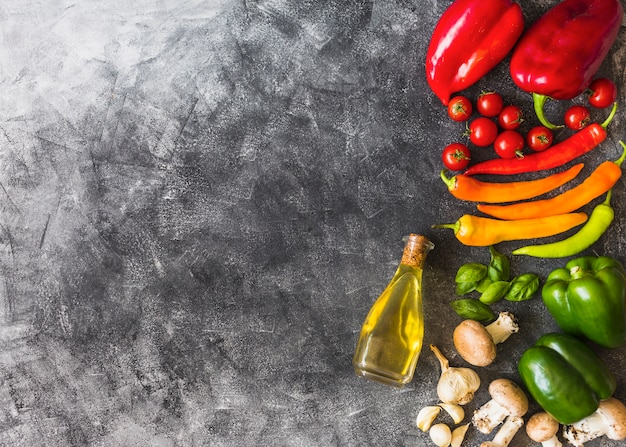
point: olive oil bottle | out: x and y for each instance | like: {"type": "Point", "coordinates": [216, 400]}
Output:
{"type": "Point", "coordinates": [392, 334]}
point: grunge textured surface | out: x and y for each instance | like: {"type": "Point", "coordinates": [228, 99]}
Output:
{"type": "Point", "coordinates": [199, 202]}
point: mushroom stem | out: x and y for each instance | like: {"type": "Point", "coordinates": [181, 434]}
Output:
{"type": "Point", "coordinates": [489, 416]}
{"type": "Point", "coordinates": [609, 419]}
{"type": "Point", "coordinates": [501, 329]}
{"type": "Point", "coordinates": [585, 430]}
{"type": "Point", "coordinates": [506, 433]}
{"type": "Point", "coordinates": [552, 442]}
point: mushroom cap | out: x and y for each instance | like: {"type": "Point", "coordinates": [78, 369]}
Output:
{"type": "Point", "coordinates": [473, 343]}
{"type": "Point", "coordinates": [541, 427]}
{"type": "Point", "coordinates": [509, 396]}
{"type": "Point", "coordinates": [614, 413]}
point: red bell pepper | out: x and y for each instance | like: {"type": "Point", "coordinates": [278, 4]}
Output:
{"type": "Point", "coordinates": [560, 53]}
{"type": "Point", "coordinates": [471, 37]}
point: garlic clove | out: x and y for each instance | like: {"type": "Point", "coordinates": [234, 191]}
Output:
{"type": "Point", "coordinates": [426, 416]}
{"type": "Point", "coordinates": [454, 410]}
{"type": "Point", "coordinates": [458, 435]}
{"type": "Point", "coordinates": [441, 435]}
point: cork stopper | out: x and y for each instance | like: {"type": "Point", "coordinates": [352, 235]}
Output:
{"type": "Point", "coordinates": [415, 250]}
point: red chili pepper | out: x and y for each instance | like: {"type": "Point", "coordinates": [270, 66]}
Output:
{"type": "Point", "coordinates": [556, 155]}
{"type": "Point", "coordinates": [561, 52]}
{"type": "Point", "coordinates": [471, 37]}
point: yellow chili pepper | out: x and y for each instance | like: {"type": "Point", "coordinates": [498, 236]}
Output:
{"type": "Point", "coordinates": [484, 231]}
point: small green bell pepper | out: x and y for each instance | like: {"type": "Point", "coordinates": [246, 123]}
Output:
{"type": "Point", "coordinates": [588, 298]}
{"type": "Point", "coordinates": [565, 377]}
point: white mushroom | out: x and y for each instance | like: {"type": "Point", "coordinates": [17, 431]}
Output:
{"type": "Point", "coordinates": [506, 433]}
{"type": "Point", "coordinates": [542, 427]}
{"type": "Point", "coordinates": [477, 343]}
{"type": "Point", "coordinates": [507, 399]}
{"type": "Point", "coordinates": [608, 420]}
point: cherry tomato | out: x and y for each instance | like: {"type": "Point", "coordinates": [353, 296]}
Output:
{"type": "Point", "coordinates": [509, 144]}
{"type": "Point", "coordinates": [482, 131]}
{"type": "Point", "coordinates": [460, 108]}
{"type": "Point", "coordinates": [489, 104]}
{"type": "Point", "coordinates": [602, 93]}
{"type": "Point", "coordinates": [510, 117]}
{"type": "Point", "coordinates": [539, 138]}
{"type": "Point", "coordinates": [577, 117]}
{"type": "Point", "coordinates": [456, 156]}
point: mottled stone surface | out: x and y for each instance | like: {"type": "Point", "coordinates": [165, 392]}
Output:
{"type": "Point", "coordinates": [200, 202]}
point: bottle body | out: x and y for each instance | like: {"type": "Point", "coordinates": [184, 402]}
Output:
{"type": "Point", "coordinates": [392, 334]}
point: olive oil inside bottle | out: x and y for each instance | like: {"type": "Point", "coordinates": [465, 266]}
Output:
{"type": "Point", "coordinates": [392, 334]}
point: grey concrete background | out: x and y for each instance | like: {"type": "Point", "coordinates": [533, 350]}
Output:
{"type": "Point", "coordinates": [200, 202]}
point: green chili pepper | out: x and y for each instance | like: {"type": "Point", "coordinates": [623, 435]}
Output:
{"type": "Point", "coordinates": [599, 221]}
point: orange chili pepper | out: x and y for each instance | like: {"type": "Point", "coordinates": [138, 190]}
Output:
{"type": "Point", "coordinates": [484, 231]}
{"type": "Point", "coordinates": [468, 188]}
{"type": "Point", "coordinates": [600, 181]}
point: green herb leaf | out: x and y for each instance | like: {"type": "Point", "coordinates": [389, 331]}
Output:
{"type": "Point", "coordinates": [471, 272]}
{"type": "Point", "coordinates": [523, 287]}
{"type": "Point", "coordinates": [499, 268]}
{"type": "Point", "coordinates": [469, 276]}
{"type": "Point", "coordinates": [463, 288]}
{"type": "Point", "coordinates": [495, 292]}
{"type": "Point", "coordinates": [469, 308]}
{"type": "Point", "coordinates": [482, 286]}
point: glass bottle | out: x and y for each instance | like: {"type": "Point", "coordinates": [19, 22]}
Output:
{"type": "Point", "coordinates": [392, 334]}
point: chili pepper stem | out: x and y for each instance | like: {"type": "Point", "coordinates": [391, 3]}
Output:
{"type": "Point", "coordinates": [620, 160]}
{"type": "Point", "coordinates": [539, 102]}
{"type": "Point", "coordinates": [608, 120]}
{"type": "Point", "coordinates": [449, 181]}
{"type": "Point", "coordinates": [453, 226]}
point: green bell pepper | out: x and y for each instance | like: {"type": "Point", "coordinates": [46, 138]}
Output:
{"type": "Point", "coordinates": [588, 298]}
{"type": "Point", "coordinates": [565, 377]}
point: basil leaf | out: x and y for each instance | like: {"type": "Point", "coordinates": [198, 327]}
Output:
{"type": "Point", "coordinates": [523, 287]}
{"type": "Point", "coordinates": [471, 272]}
{"type": "Point", "coordinates": [482, 286]}
{"type": "Point", "coordinates": [469, 308]}
{"type": "Point", "coordinates": [469, 276]}
{"type": "Point", "coordinates": [463, 288]}
{"type": "Point", "coordinates": [495, 292]}
{"type": "Point", "coordinates": [499, 268]}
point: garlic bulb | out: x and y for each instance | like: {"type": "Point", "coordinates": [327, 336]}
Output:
{"type": "Point", "coordinates": [456, 385]}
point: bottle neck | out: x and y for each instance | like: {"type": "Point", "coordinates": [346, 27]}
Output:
{"type": "Point", "coordinates": [415, 250]}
